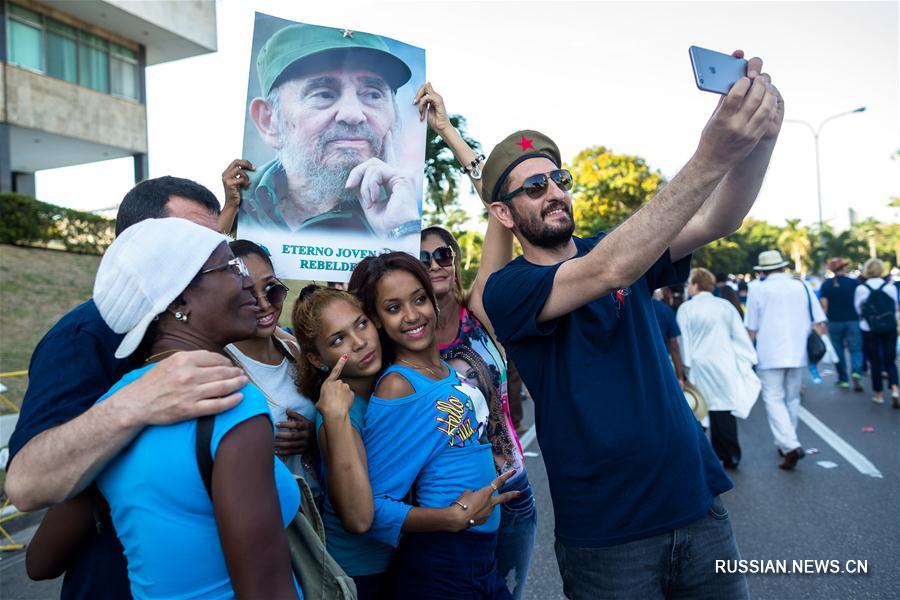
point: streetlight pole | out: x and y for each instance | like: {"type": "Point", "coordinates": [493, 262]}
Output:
{"type": "Point", "coordinates": [815, 132]}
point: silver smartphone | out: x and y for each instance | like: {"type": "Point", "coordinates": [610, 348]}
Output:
{"type": "Point", "coordinates": [714, 71]}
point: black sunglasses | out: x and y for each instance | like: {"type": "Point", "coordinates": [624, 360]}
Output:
{"type": "Point", "coordinates": [275, 292]}
{"type": "Point", "coordinates": [535, 185]}
{"type": "Point", "coordinates": [443, 256]}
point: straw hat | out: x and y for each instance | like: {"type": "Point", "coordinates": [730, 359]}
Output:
{"type": "Point", "coordinates": [770, 260]}
{"type": "Point", "coordinates": [695, 400]}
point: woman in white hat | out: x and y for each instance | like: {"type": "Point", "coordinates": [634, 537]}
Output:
{"type": "Point", "coordinates": [173, 286]}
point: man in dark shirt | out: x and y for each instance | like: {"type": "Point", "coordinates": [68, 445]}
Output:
{"type": "Point", "coordinates": [63, 439]}
{"type": "Point", "coordinates": [633, 478]}
{"type": "Point", "coordinates": [843, 323]}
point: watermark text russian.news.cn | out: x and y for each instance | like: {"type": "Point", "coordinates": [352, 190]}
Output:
{"type": "Point", "coordinates": [808, 566]}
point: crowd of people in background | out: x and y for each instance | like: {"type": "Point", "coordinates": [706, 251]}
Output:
{"type": "Point", "coordinates": [177, 405]}
{"type": "Point", "coordinates": [779, 309]}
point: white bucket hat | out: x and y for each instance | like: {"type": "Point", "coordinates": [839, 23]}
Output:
{"type": "Point", "coordinates": [145, 269]}
{"type": "Point", "coordinates": [770, 260]}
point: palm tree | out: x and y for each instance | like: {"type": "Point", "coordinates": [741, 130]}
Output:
{"type": "Point", "coordinates": [794, 240]}
{"type": "Point", "coordinates": [441, 168]}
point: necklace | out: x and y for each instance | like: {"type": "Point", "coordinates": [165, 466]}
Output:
{"type": "Point", "coordinates": [158, 354]}
{"type": "Point", "coordinates": [415, 366]}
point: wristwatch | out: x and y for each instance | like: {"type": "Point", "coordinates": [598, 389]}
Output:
{"type": "Point", "coordinates": [405, 229]}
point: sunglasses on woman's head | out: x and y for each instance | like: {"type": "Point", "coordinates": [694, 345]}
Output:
{"type": "Point", "coordinates": [275, 292]}
{"type": "Point", "coordinates": [535, 185]}
{"type": "Point", "coordinates": [443, 256]}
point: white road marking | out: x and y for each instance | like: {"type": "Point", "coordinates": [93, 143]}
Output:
{"type": "Point", "coordinates": [851, 454]}
{"type": "Point", "coordinates": [529, 436]}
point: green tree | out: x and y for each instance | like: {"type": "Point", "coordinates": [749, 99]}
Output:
{"type": "Point", "coordinates": [739, 252]}
{"type": "Point", "coordinates": [441, 167]}
{"type": "Point", "coordinates": [470, 244]}
{"type": "Point", "coordinates": [794, 241]}
{"type": "Point", "coordinates": [845, 244]}
{"type": "Point", "coordinates": [724, 255]}
{"type": "Point", "coordinates": [609, 187]}
{"type": "Point", "coordinates": [882, 240]}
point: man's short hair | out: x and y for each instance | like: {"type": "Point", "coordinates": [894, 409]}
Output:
{"type": "Point", "coordinates": [703, 279]}
{"type": "Point", "coordinates": [148, 199]}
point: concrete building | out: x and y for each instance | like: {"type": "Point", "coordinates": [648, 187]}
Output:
{"type": "Point", "coordinates": [72, 86]}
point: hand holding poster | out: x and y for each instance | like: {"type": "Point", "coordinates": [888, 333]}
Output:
{"type": "Point", "coordinates": [338, 147]}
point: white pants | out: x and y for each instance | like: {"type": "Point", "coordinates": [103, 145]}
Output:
{"type": "Point", "coordinates": [781, 395]}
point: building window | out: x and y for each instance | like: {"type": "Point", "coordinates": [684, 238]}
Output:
{"type": "Point", "coordinates": [124, 71]}
{"type": "Point", "coordinates": [25, 38]}
{"type": "Point", "coordinates": [62, 51]}
{"type": "Point", "coordinates": [44, 44]}
{"type": "Point", "coordinates": [93, 62]}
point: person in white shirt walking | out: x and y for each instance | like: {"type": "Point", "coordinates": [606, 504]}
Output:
{"type": "Point", "coordinates": [876, 303]}
{"type": "Point", "coordinates": [718, 356]}
{"type": "Point", "coordinates": [780, 316]}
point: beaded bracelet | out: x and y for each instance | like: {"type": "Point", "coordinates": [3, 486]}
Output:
{"type": "Point", "coordinates": [470, 168]}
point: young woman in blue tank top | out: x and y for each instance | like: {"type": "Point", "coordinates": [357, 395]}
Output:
{"type": "Point", "coordinates": [464, 325]}
{"type": "Point", "coordinates": [422, 438]}
{"type": "Point", "coordinates": [340, 361]}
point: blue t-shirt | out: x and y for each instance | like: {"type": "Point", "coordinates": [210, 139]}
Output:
{"type": "Point", "coordinates": [427, 441]}
{"type": "Point", "coordinates": [358, 555]}
{"type": "Point", "coordinates": [162, 511]}
{"type": "Point", "coordinates": [71, 367]}
{"type": "Point", "coordinates": [840, 292]}
{"type": "Point", "coordinates": [625, 457]}
{"type": "Point", "coordinates": [665, 316]}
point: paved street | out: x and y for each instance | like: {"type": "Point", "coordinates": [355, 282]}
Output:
{"type": "Point", "coordinates": [812, 513]}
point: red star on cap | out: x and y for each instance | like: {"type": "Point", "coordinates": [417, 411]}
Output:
{"type": "Point", "coordinates": [526, 144]}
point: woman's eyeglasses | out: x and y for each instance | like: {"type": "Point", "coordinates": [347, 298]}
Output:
{"type": "Point", "coordinates": [275, 292]}
{"type": "Point", "coordinates": [443, 256]}
{"type": "Point", "coordinates": [235, 264]}
{"type": "Point", "coordinates": [535, 185]}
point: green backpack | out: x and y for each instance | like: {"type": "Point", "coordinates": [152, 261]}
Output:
{"type": "Point", "coordinates": [320, 576]}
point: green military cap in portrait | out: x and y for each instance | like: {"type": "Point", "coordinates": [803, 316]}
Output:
{"type": "Point", "coordinates": [309, 48]}
{"type": "Point", "coordinates": [517, 147]}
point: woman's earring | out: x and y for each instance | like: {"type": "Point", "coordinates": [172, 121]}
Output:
{"type": "Point", "coordinates": [181, 316]}
{"type": "Point", "coordinates": [324, 369]}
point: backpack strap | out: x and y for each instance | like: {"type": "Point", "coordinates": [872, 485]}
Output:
{"type": "Point", "coordinates": [204, 456]}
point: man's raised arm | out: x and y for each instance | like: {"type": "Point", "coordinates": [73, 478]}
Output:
{"type": "Point", "coordinates": [58, 463]}
{"type": "Point", "coordinates": [742, 118]}
{"type": "Point", "coordinates": [724, 211]}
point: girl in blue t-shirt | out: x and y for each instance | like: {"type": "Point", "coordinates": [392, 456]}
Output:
{"type": "Point", "coordinates": [421, 436]}
{"type": "Point", "coordinates": [341, 359]}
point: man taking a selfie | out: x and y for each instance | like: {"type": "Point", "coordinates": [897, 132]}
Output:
{"type": "Point", "coordinates": [634, 480]}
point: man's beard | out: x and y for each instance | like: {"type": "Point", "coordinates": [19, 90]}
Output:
{"type": "Point", "coordinates": [543, 235]}
{"type": "Point", "coordinates": [323, 184]}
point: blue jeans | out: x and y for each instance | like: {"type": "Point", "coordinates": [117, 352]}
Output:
{"type": "Point", "coordinates": [840, 331]}
{"type": "Point", "coordinates": [677, 564]}
{"type": "Point", "coordinates": [446, 566]}
{"type": "Point", "coordinates": [515, 538]}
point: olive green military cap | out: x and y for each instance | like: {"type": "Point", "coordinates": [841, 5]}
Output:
{"type": "Point", "coordinates": [517, 147]}
{"type": "Point", "coordinates": [327, 47]}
